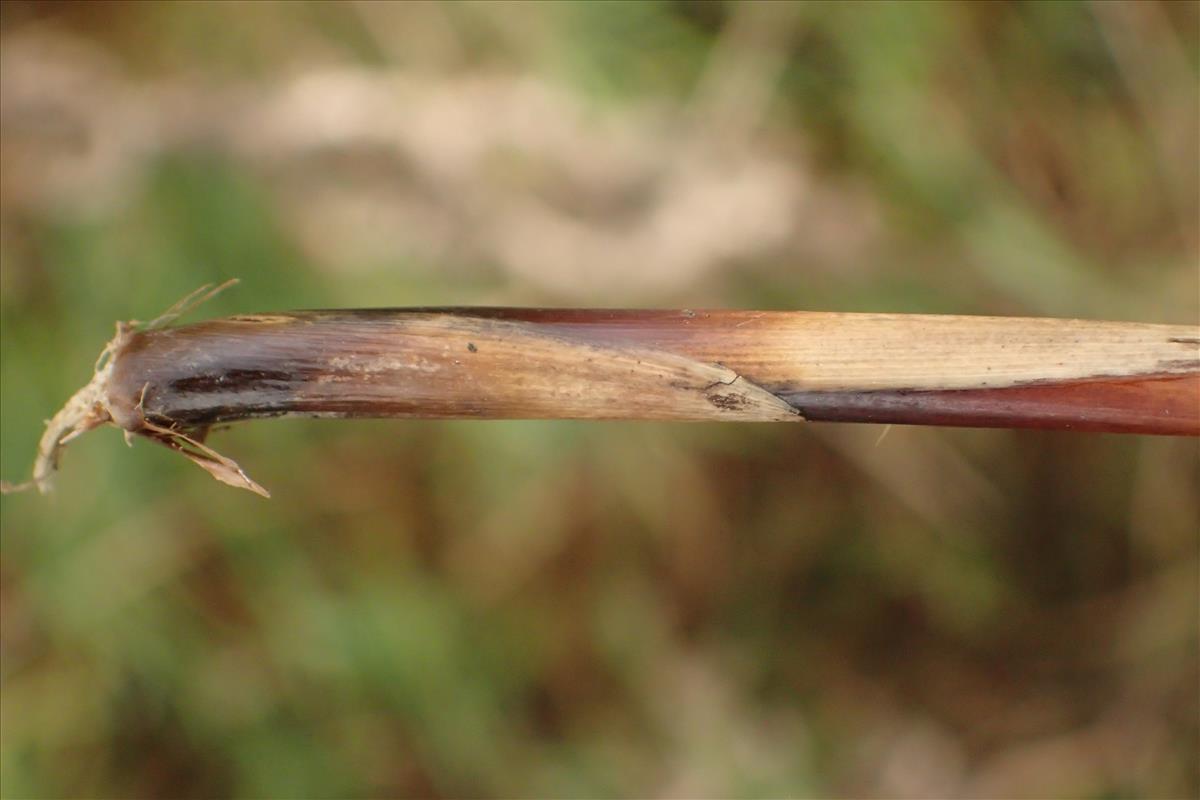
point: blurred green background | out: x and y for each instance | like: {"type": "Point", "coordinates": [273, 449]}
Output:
{"type": "Point", "coordinates": [591, 610]}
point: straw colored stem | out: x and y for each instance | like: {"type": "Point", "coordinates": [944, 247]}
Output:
{"type": "Point", "coordinates": [172, 384]}
{"type": "Point", "coordinates": [666, 365]}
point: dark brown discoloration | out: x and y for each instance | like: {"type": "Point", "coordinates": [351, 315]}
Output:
{"type": "Point", "coordinates": [225, 380]}
{"type": "Point", "coordinates": [727, 402]}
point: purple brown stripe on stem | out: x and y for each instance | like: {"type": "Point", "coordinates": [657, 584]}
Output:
{"type": "Point", "coordinates": [1156, 404]}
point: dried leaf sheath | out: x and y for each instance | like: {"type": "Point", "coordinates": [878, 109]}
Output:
{"type": "Point", "coordinates": [645, 365]}
{"type": "Point", "coordinates": [418, 364]}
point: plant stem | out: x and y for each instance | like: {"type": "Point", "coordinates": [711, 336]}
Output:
{"type": "Point", "coordinates": [495, 363]}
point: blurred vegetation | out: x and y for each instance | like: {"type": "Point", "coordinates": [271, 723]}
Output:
{"type": "Point", "coordinates": [558, 609]}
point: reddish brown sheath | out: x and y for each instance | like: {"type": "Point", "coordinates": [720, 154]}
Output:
{"type": "Point", "coordinates": [663, 365]}
{"type": "Point", "coordinates": [172, 384]}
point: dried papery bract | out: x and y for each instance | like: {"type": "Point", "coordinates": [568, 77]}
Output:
{"type": "Point", "coordinates": [170, 384]}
